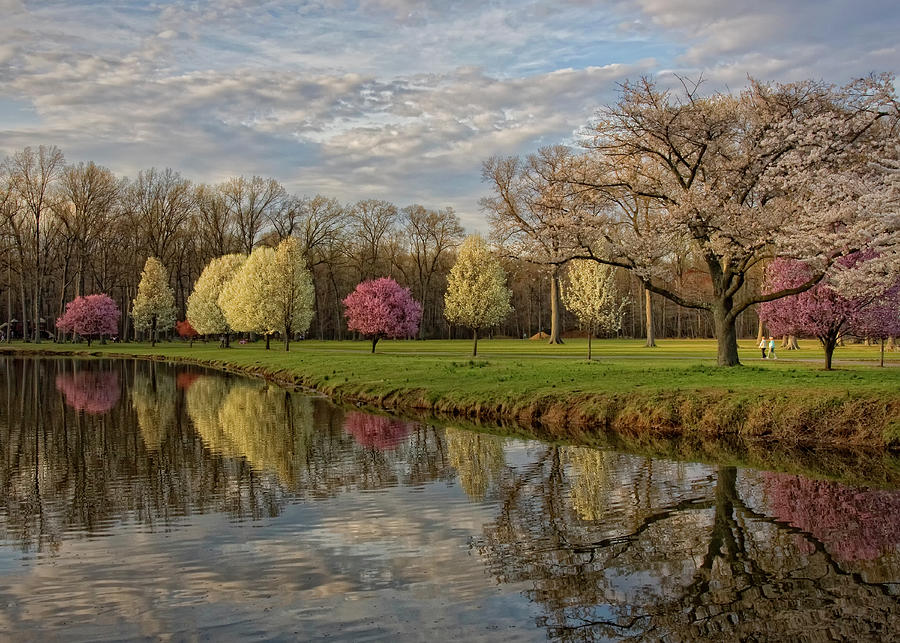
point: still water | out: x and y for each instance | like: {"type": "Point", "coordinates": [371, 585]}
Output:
{"type": "Point", "coordinates": [141, 500]}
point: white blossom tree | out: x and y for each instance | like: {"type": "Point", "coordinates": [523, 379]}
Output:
{"type": "Point", "coordinates": [245, 299]}
{"type": "Point", "coordinates": [203, 310]}
{"type": "Point", "coordinates": [590, 292]}
{"type": "Point", "coordinates": [775, 171]}
{"type": "Point", "coordinates": [292, 295]}
{"type": "Point", "coordinates": [477, 296]}
{"type": "Point", "coordinates": [153, 308]}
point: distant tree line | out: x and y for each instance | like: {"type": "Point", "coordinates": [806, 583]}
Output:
{"type": "Point", "coordinates": [688, 197]}
{"type": "Point", "coordinates": [68, 230]}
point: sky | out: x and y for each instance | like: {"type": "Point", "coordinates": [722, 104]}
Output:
{"type": "Point", "coordinates": [399, 100]}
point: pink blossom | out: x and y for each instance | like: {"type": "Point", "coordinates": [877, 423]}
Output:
{"type": "Point", "coordinates": [382, 308]}
{"type": "Point", "coordinates": [184, 329]}
{"type": "Point", "coordinates": [823, 311]}
{"type": "Point", "coordinates": [89, 316]}
{"type": "Point", "coordinates": [92, 392]}
{"type": "Point", "coordinates": [853, 524]}
{"type": "Point", "coordinates": [376, 431]}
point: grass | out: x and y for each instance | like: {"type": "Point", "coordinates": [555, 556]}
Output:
{"type": "Point", "coordinates": [636, 392]}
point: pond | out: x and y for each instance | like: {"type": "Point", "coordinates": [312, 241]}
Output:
{"type": "Point", "coordinates": [140, 500]}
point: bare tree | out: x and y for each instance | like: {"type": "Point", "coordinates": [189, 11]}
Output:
{"type": "Point", "coordinates": [34, 175]}
{"type": "Point", "coordinates": [251, 204]}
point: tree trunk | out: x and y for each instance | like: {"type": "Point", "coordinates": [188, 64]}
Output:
{"type": "Point", "coordinates": [590, 334]}
{"type": "Point", "coordinates": [555, 308]}
{"type": "Point", "coordinates": [374, 341]}
{"type": "Point", "coordinates": [475, 342]}
{"type": "Point", "coordinates": [829, 343]}
{"type": "Point", "coordinates": [287, 338]}
{"type": "Point", "coordinates": [24, 312]}
{"type": "Point", "coordinates": [726, 337]}
{"type": "Point", "coordinates": [268, 337]}
{"type": "Point", "coordinates": [792, 343]}
{"type": "Point", "coordinates": [759, 332]}
{"type": "Point", "coordinates": [153, 333]}
{"type": "Point", "coordinates": [881, 363]}
{"type": "Point", "coordinates": [651, 334]}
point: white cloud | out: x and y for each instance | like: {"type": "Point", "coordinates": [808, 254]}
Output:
{"type": "Point", "coordinates": [398, 99]}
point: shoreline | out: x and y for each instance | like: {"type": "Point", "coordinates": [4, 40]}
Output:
{"type": "Point", "coordinates": [797, 420]}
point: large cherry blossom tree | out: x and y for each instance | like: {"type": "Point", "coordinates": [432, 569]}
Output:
{"type": "Point", "coordinates": [382, 308]}
{"type": "Point", "coordinates": [793, 171]}
{"type": "Point", "coordinates": [90, 316]}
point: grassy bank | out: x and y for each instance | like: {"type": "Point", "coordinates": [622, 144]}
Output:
{"type": "Point", "coordinates": [639, 394]}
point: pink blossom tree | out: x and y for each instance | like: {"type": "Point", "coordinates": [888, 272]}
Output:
{"type": "Point", "coordinates": [823, 311]}
{"type": "Point", "coordinates": [382, 308]}
{"type": "Point", "coordinates": [89, 316]}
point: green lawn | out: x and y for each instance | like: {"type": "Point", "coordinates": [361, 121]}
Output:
{"type": "Point", "coordinates": [506, 367]}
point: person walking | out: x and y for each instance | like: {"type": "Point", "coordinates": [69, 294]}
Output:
{"type": "Point", "coordinates": [772, 354]}
{"type": "Point", "coordinates": [762, 346]}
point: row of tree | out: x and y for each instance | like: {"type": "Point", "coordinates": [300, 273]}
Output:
{"type": "Point", "coordinates": [690, 196]}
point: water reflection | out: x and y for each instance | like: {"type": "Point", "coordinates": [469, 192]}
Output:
{"type": "Point", "coordinates": [215, 493]}
{"type": "Point", "coordinates": [621, 547]}
{"type": "Point", "coordinates": [94, 392]}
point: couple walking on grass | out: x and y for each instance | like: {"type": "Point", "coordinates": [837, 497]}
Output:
{"type": "Point", "coordinates": [771, 346]}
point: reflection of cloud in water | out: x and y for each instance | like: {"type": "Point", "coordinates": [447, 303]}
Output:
{"type": "Point", "coordinates": [376, 431]}
{"type": "Point", "coordinates": [93, 392]}
{"type": "Point", "coordinates": [385, 570]}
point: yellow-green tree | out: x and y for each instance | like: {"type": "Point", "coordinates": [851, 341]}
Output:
{"type": "Point", "coordinates": [203, 310]}
{"type": "Point", "coordinates": [292, 295]}
{"type": "Point", "coordinates": [272, 292]}
{"type": "Point", "coordinates": [477, 296]}
{"type": "Point", "coordinates": [245, 299]}
{"type": "Point", "coordinates": [590, 292]}
{"type": "Point", "coordinates": [154, 307]}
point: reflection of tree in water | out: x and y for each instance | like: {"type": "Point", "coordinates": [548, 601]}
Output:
{"type": "Point", "coordinates": [63, 471]}
{"type": "Point", "coordinates": [376, 431]}
{"type": "Point", "coordinates": [153, 396]}
{"type": "Point", "coordinates": [94, 392]}
{"type": "Point", "coordinates": [478, 460]}
{"type": "Point", "coordinates": [854, 525]}
{"type": "Point", "coordinates": [266, 425]}
{"type": "Point", "coordinates": [681, 560]}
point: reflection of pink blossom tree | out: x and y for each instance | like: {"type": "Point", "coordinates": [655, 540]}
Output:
{"type": "Point", "coordinates": [89, 316]}
{"type": "Point", "coordinates": [89, 391]}
{"type": "Point", "coordinates": [382, 308]}
{"type": "Point", "coordinates": [825, 313]}
{"type": "Point", "coordinates": [376, 431]}
{"type": "Point", "coordinates": [853, 524]}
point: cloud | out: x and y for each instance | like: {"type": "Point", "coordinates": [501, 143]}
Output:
{"type": "Point", "coordinates": [398, 99]}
